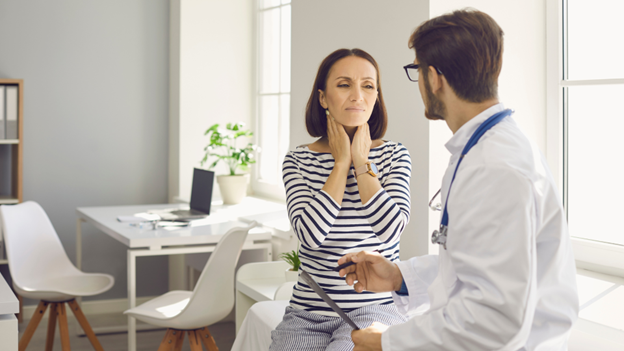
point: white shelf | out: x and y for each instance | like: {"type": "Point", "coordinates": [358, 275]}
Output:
{"type": "Point", "coordinates": [260, 289]}
{"type": "Point", "coordinates": [260, 280]}
{"type": "Point", "coordinates": [5, 200]}
{"type": "Point", "coordinates": [9, 141]}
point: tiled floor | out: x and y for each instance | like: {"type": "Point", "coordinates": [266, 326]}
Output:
{"type": "Point", "coordinates": [223, 334]}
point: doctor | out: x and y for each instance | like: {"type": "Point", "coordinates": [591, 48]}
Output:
{"type": "Point", "coordinates": [505, 275]}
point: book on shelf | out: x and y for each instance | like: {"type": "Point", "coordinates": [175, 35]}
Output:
{"type": "Point", "coordinates": [2, 110]}
{"type": "Point", "coordinates": [11, 102]}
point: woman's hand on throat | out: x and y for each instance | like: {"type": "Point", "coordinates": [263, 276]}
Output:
{"type": "Point", "coordinates": [361, 145]}
{"type": "Point", "coordinates": [339, 142]}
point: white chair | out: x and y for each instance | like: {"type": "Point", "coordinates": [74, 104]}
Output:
{"type": "Point", "coordinates": [210, 301]}
{"type": "Point", "coordinates": [41, 270]}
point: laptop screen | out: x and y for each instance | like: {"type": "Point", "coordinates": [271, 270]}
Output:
{"type": "Point", "coordinates": [201, 192]}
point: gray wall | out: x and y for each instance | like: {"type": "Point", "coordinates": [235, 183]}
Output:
{"type": "Point", "coordinates": [382, 29]}
{"type": "Point", "coordinates": [95, 117]}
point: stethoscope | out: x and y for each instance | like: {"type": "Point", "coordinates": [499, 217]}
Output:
{"type": "Point", "coordinates": [439, 236]}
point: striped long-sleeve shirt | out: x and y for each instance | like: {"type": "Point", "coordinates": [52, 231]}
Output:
{"type": "Point", "coordinates": [328, 230]}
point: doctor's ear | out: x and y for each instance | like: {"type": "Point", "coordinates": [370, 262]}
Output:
{"type": "Point", "coordinates": [322, 99]}
{"type": "Point", "coordinates": [435, 79]}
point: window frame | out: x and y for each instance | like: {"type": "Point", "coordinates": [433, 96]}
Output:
{"type": "Point", "coordinates": [259, 186]}
{"type": "Point", "coordinates": [597, 256]}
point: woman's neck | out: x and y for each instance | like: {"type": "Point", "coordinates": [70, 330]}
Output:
{"type": "Point", "coordinates": [350, 132]}
{"type": "Point", "coordinates": [322, 145]}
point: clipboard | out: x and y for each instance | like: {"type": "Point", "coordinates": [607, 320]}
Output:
{"type": "Point", "coordinates": [317, 288]}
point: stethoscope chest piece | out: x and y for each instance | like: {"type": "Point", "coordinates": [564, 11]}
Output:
{"type": "Point", "coordinates": [439, 236]}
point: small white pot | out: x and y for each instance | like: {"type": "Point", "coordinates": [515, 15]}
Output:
{"type": "Point", "coordinates": [233, 188]}
{"type": "Point", "coordinates": [291, 276]}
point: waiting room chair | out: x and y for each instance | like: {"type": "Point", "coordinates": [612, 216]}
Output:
{"type": "Point", "coordinates": [42, 271]}
{"type": "Point", "coordinates": [193, 311]}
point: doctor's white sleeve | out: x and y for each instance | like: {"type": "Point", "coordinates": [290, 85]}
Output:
{"type": "Point", "coordinates": [487, 283]}
{"type": "Point", "coordinates": [418, 274]}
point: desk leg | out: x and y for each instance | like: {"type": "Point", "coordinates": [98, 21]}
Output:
{"type": "Point", "coordinates": [131, 300]}
{"type": "Point", "coordinates": [79, 250]}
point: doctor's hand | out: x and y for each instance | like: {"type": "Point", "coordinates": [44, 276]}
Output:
{"type": "Point", "coordinates": [372, 271]}
{"type": "Point", "coordinates": [368, 339]}
{"type": "Point", "coordinates": [361, 145]}
{"type": "Point", "coordinates": [339, 142]}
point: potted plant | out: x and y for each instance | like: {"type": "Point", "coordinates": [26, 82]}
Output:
{"type": "Point", "coordinates": [223, 146]}
{"type": "Point", "coordinates": [292, 258]}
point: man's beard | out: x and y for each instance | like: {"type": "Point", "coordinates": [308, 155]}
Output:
{"type": "Point", "coordinates": [435, 108]}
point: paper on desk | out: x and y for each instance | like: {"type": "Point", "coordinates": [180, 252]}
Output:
{"type": "Point", "coordinates": [138, 217]}
{"type": "Point", "coordinates": [211, 219]}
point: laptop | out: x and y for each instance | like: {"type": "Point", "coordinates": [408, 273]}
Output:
{"type": "Point", "coordinates": [201, 198]}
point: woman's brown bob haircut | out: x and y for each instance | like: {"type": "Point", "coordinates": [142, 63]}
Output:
{"type": "Point", "coordinates": [316, 120]}
{"type": "Point", "coordinates": [467, 47]}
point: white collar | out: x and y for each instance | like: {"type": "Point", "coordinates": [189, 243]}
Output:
{"type": "Point", "coordinates": [460, 138]}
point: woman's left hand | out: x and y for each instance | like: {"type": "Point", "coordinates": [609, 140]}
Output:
{"type": "Point", "coordinates": [360, 146]}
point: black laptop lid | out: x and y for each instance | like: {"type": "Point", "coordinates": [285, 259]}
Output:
{"type": "Point", "coordinates": [201, 192]}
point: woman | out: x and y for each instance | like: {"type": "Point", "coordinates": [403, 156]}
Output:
{"type": "Point", "coordinates": [346, 192]}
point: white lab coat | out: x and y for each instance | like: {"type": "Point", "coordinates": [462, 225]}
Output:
{"type": "Point", "coordinates": [507, 280]}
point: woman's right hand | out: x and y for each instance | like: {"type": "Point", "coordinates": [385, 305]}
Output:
{"type": "Point", "coordinates": [339, 142]}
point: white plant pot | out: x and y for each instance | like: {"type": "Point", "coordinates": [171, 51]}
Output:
{"type": "Point", "coordinates": [233, 188]}
{"type": "Point", "coordinates": [291, 276]}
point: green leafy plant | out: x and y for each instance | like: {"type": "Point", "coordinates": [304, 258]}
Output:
{"type": "Point", "coordinates": [223, 146]}
{"type": "Point", "coordinates": [292, 258]}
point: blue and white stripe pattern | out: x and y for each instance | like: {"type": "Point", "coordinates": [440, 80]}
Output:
{"type": "Point", "coordinates": [327, 230]}
{"type": "Point", "coordinates": [301, 330]}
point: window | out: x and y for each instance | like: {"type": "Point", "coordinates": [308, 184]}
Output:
{"type": "Point", "coordinates": [273, 95]}
{"type": "Point", "coordinates": [584, 142]}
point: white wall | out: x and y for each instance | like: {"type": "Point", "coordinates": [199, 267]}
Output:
{"type": "Point", "coordinates": [212, 79]}
{"type": "Point", "coordinates": [382, 29]}
{"type": "Point", "coordinates": [318, 28]}
{"type": "Point", "coordinates": [522, 83]}
{"type": "Point", "coordinates": [95, 117]}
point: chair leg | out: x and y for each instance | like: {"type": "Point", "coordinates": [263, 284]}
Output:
{"type": "Point", "coordinates": [180, 341]}
{"type": "Point", "coordinates": [194, 341]}
{"type": "Point", "coordinates": [75, 307]}
{"type": "Point", "coordinates": [32, 325]}
{"type": "Point", "coordinates": [51, 327]}
{"type": "Point", "coordinates": [167, 342]}
{"type": "Point", "coordinates": [63, 326]}
{"type": "Point", "coordinates": [207, 339]}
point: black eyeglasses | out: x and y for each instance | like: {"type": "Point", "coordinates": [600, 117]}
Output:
{"type": "Point", "coordinates": [412, 71]}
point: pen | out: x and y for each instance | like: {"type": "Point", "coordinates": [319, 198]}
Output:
{"type": "Point", "coordinates": [345, 265]}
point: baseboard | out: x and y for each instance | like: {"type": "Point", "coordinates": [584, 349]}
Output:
{"type": "Point", "coordinates": [96, 307]}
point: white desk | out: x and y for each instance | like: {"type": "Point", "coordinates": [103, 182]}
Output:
{"type": "Point", "coordinates": [9, 305]}
{"type": "Point", "coordinates": [201, 237]}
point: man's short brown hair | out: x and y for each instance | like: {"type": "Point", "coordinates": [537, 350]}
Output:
{"type": "Point", "coordinates": [467, 47]}
{"type": "Point", "coordinates": [315, 118]}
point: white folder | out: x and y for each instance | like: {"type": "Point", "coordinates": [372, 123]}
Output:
{"type": "Point", "coordinates": [11, 103]}
{"type": "Point", "coordinates": [2, 110]}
